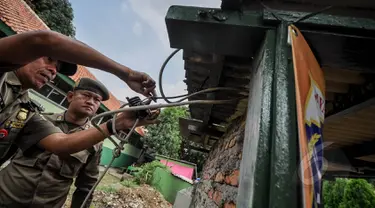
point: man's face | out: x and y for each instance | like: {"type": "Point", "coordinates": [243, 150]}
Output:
{"type": "Point", "coordinates": [37, 73]}
{"type": "Point", "coordinates": [83, 102]}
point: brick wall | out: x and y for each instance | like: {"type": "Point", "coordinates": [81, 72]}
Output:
{"type": "Point", "coordinates": [218, 187]}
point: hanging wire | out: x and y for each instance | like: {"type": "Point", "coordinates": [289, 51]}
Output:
{"type": "Point", "coordinates": [116, 153]}
{"type": "Point", "coordinates": [307, 16]}
{"type": "Point", "coordinates": [123, 108]}
{"type": "Point", "coordinates": [119, 146]}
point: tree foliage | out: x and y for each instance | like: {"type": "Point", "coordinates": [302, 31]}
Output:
{"type": "Point", "coordinates": [348, 193]}
{"type": "Point", "coordinates": [358, 194]}
{"type": "Point", "coordinates": [57, 14]}
{"type": "Point", "coordinates": [165, 137]}
{"type": "Point", "coordinates": [333, 192]}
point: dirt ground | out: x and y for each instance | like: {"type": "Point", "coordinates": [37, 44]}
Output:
{"type": "Point", "coordinates": [111, 194]}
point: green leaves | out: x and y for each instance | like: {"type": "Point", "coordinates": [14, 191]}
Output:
{"type": "Point", "coordinates": [144, 175]}
{"type": "Point", "coordinates": [165, 138]}
{"type": "Point", "coordinates": [57, 14]}
{"type": "Point", "coordinates": [348, 193]}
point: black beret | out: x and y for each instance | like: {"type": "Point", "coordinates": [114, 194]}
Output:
{"type": "Point", "coordinates": [92, 86]}
{"type": "Point", "coordinates": [66, 68]}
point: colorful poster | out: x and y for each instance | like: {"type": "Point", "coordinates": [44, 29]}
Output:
{"type": "Point", "coordinates": [310, 100]}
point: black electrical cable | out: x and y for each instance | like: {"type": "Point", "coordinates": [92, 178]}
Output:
{"type": "Point", "coordinates": [161, 74]}
{"type": "Point", "coordinates": [312, 14]}
{"type": "Point", "coordinates": [299, 19]}
{"type": "Point", "coordinates": [116, 154]}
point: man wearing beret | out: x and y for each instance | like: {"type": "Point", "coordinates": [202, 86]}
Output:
{"type": "Point", "coordinates": [43, 179]}
{"type": "Point", "coordinates": [28, 61]}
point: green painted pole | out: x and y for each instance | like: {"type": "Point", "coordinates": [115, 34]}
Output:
{"type": "Point", "coordinates": [254, 181]}
{"type": "Point", "coordinates": [283, 169]}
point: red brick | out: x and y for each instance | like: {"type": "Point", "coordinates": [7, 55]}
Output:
{"type": "Point", "coordinates": [229, 205]}
{"type": "Point", "coordinates": [210, 194]}
{"type": "Point", "coordinates": [232, 142]}
{"type": "Point", "coordinates": [232, 179]}
{"type": "Point", "coordinates": [219, 177]}
{"type": "Point", "coordinates": [227, 145]}
{"type": "Point", "coordinates": [206, 176]}
{"type": "Point", "coordinates": [217, 197]}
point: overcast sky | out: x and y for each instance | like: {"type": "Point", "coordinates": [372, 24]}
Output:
{"type": "Point", "coordinates": [133, 33]}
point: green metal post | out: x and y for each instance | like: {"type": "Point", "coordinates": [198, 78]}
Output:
{"type": "Point", "coordinates": [283, 178]}
{"type": "Point", "coordinates": [254, 172]}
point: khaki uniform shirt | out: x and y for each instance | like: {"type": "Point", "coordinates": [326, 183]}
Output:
{"type": "Point", "coordinates": [43, 179]}
{"type": "Point", "coordinates": [19, 117]}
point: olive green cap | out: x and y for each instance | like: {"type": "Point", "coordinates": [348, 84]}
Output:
{"type": "Point", "coordinates": [92, 86]}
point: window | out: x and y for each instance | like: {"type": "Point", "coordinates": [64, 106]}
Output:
{"type": "Point", "coordinates": [57, 97]}
{"type": "Point", "coordinates": [65, 103]}
{"type": "Point", "coordinates": [53, 93]}
{"type": "Point", "coordinates": [45, 90]}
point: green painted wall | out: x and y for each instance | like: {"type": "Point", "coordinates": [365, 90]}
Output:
{"type": "Point", "coordinates": [6, 29]}
{"type": "Point", "coordinates": [167, 184]}
{"type": "Point", "coordinates": [123, 161]}
{"type": "Point", "coordinates": [129, 149]}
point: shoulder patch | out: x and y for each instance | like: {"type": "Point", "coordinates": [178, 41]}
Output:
{"type": "Point", "coordinates": [59, 118]}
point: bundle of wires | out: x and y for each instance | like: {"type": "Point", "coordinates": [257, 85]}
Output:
{"type": "Point", "coordinates": [120, 146]}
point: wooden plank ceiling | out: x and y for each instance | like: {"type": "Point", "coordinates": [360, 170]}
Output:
{"type": "Point", "coordinates": [355, 126]}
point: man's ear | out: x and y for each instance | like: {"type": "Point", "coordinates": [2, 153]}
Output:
{"type": "Point", "coordinates": [69, 96]}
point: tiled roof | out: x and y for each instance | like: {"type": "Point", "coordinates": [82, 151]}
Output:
{"type": "Point", "coordinates": [21, 18]}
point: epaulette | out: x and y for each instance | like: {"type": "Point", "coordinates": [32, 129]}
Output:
{"type": "Point", "coordinates": [47, 113]}
{"type": "Point", "coordinates": [35, 105]}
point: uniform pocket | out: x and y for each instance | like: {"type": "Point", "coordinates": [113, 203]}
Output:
{"type": "Point", "coordinates": [24, 161]}
{"type": "Point", "coordinates": [71, 166]}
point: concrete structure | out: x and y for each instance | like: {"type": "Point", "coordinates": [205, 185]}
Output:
{"type": "Point", "coordinates": [183, 198]}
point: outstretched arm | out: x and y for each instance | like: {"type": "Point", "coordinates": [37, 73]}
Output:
{"type": "Point", "coordinates": [24, 48]}
{"type": "Point", "coordinates": [61, 144]}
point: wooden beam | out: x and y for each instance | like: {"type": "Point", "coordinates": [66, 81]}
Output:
{"type": "Point", "coordinates": [200, 149]}
{"type": "Point", "coordinates": [342, 76]}
{"type": "Point", "coordinates": [330, 96]}
{"type": "Point", "coordinates": [337, 87]}
{"type": "Point", "coordinates": [214, 80]}
{"type": "Point", "coordinates": [350, 110]}
{"type": "Point", "coordinates": [360, 150]}
{"type": "Point", "coordinates": [345, 157]}
{"type": "Point", "coordinates": [345, 174]}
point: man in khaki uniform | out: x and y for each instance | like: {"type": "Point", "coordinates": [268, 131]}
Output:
{"type": "Point", "coordinates": [43, 179]}
{"type": "Point", "coordinates": [30, 60]}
